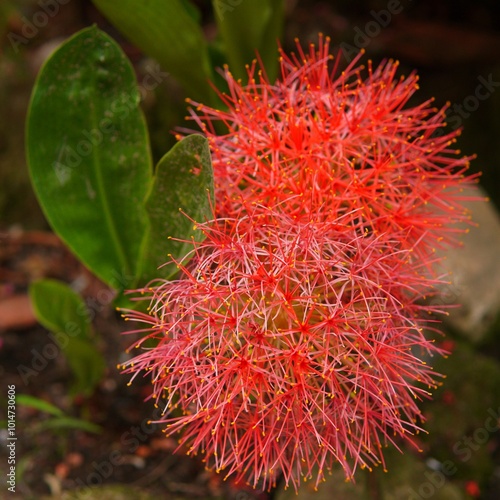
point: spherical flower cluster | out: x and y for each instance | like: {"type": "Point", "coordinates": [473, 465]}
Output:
{"type": "Point", "coordinates": [293, 339]}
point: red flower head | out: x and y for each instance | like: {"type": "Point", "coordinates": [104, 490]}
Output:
{"type": "Point", "coordinates": [292, 341]}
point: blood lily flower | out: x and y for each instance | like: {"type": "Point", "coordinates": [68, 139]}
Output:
{"type": "Point", "coordinates": [320, 143]}
{"type": "Point", "coordinates": [292, 340]}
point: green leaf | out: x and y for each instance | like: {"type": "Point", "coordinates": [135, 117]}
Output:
{"type": "Point", "coordinates": [62, 311]}
{"type": "Point", "coordinates": [87, 365]}
{"type": "Point", "coordinates": [38, 404]}
{"type": "Point", "coordinates": [183, 185]}
{"type": "Point", "coordinates": [60, 420]}
{"type": "Point", "coordinates": [167, 32]}
{"type": "Point", "coordinates": [192, 10]}
{"type": "Point", "coordinates": [88, 153]}
{"type": "Point", "coordinates": [247, 27]}
{"type": "Point", "coordinates": [68, 423]}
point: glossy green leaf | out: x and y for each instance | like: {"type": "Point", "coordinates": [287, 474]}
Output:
{"type": "Point", "coordinates": [183, 186]}
{"type": "Point", "coordinates": [88, 153]}
{"type": "Point", "coordinates": [166, 31]}
{"type": "Point", "coordinates": [62, 311]}
{"type": "Point", "coordinates": [247, 27]}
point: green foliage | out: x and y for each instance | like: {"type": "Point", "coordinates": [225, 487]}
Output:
{"type": "Point", "coordinates": [62, 311]}
{"type": "Point", "coordinates": [67, 423]}
{"type": "Point", "coordinates": [39, 404]}
{"type": "Point", "coordinates": [96, 199]}
{"type": "Point", "coordinates": [59, 420]}
{"type": "Point", "coordinates": [88, 153]}
{"type": "Point", "coordinates": [168, 32]}
{"type": "Point", "coordinates": [247, 27]}
{"type": "Point", "coordinates": [188, 168]}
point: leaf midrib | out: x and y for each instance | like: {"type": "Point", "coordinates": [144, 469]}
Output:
{"type": "Point", "coordinates": [109, 220]}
